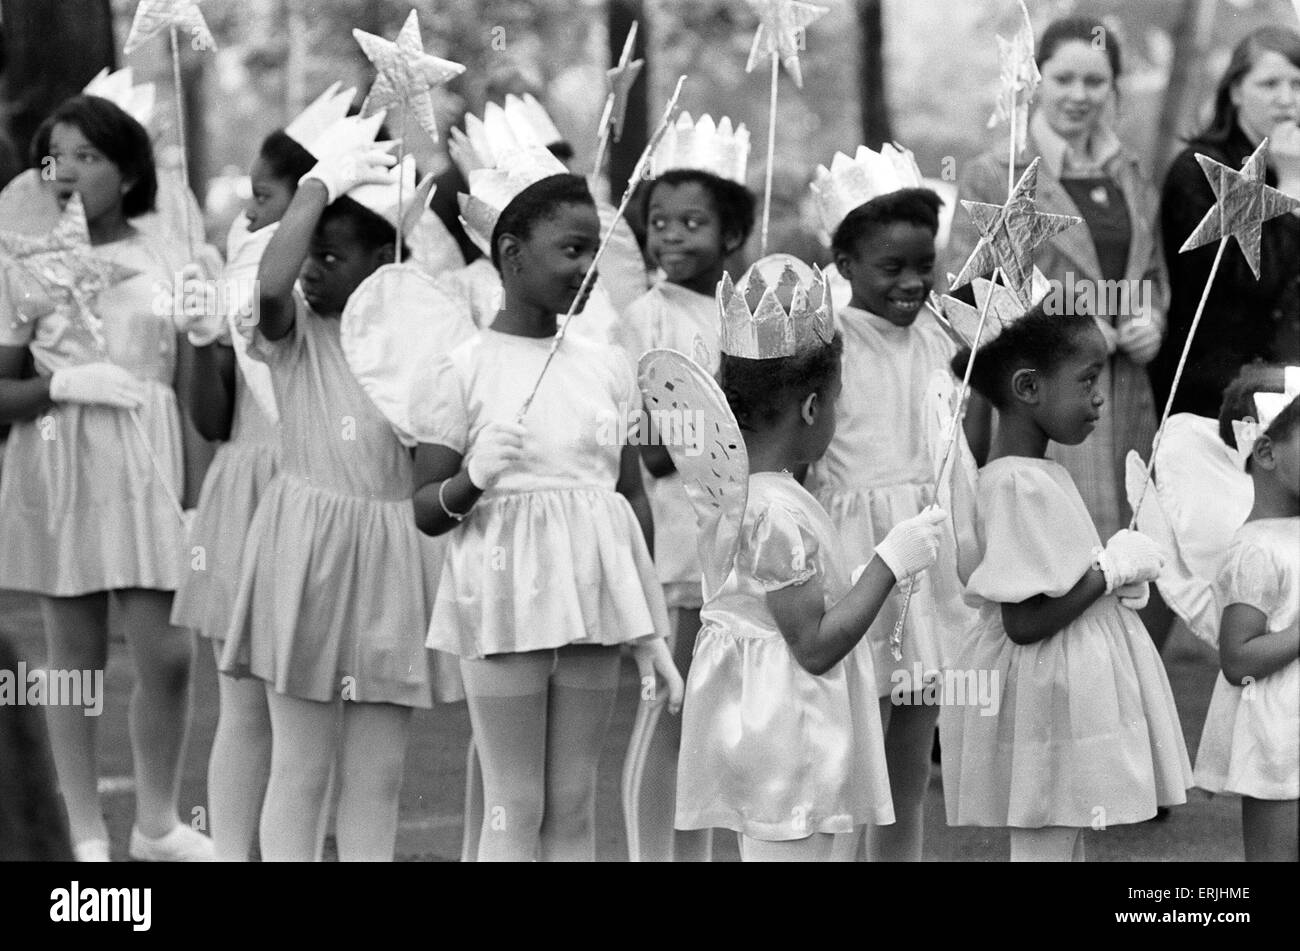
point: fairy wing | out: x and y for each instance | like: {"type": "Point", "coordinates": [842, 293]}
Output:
{"type": "Point", "coordinates": [684, 401]}
{"type": "Point", "coordinates": [1198, 499]}
{"type": "Point", "coordinates": [396, 322]}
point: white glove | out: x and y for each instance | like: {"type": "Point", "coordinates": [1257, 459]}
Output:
{"type": "Point", "coordinates": [913, 544]}
{"type": "Point", "coordinates": [1135, 595]}
{"type": "Point", "coordinates": [97, 384]}
{"type": "Point", "coordinates": [1129, 557]}
{"type": "Point", "coordinates": [496, 449]}
{"type": "Point", "coordinates": [199, 319]}
{"type": "Point", "coordinates": [1108, 333]}
{"type": "Point", "coordinates": [342, 173]}
{"type": "Point", "coordinates": [1140, 340]}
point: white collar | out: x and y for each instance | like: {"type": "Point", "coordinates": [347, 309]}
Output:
{"type": "Point", "coordinates": [1060, 157]}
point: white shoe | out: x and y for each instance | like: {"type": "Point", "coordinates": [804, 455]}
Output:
{"type": "Point", "coordinates": [91, 850]}
{"type": "Point", "coordinates": [182, 844]}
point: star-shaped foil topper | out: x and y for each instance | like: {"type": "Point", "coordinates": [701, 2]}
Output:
{"type": "Point", "coordinates": [407, 75]}
{"type": "Point", "coordinates": [61, 262]}
{"type": "Point", "coordinates": [1010, 234]}
{"type": "Point", "coordinates": [154, 16]}
{"type": "Point", "coordinates": [779, 26]}
{"type": "Point", "coordinates": [620, 80]}
{"type": "Point", "coordinates": [1019, 80]}
{"type": "Point", "coordinates": [962, 321]}
{"type": "Point", "coordinates": [1243, 202]}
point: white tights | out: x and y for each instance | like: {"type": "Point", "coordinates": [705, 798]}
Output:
{"type": "Point", "coordinates": [540, 719]}
{"type": "Point", "coordinates": [370, 742]}
{"type": "Point", "coordinates": [1048, 844]}
{"type": "Point", "coordinates": [238, 765]}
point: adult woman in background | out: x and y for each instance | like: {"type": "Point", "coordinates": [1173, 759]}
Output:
{"type": "Point", "coordinates": [1245, 318]}
{"type": "Point", "coordinates": [1086, 172]}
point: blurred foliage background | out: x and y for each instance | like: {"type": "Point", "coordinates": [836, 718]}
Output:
{"type": "Point", "coordinates": [922, 72]}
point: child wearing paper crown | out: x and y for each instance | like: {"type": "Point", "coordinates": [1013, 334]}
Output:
{"type": "Point", "coordinates": [779, 740]}
{"type": "Point", "coordinates": [1085, 733]}
{"type": "Point", "coordinates": [331, 602]}
{"type": "Point", "coordinates": [93, 473]}
{"type": "Point", "coordinates": [698, 213]}
{"type": "Point", "coordinates": [1251, 742]}
{"type": "Point", "coordinates": [232, 400]}
{"type": "Point", "coordinates": [879, 468]}
{"type": "Point", "coordinates": [548, 570]}
{"type": "Point", "coordinates": [521, 122]}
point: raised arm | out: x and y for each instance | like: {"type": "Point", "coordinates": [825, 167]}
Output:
{"type": "Point", "coordinates": [284, 256]}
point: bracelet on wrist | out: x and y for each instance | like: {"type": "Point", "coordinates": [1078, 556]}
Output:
{"type": "Point", "coordinates": [457, 516]}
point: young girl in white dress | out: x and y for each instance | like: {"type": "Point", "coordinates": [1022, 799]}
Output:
{"type": "Point", "coordinates": [698, 213]}
{"type": "Point", "coordinates": [331, 603]}
{"type": "Point", "coordinates": [224, 408]}
{"type": "Point", "coordinates": [548, 569]}
{"type": "Point", "coordinates": [879, 468]}
{"type": "Point", "coordinates": [89, 498]}
{"type": "Point", "coordinates": [1250, 745]}
{"type": "Point", "coordinates": [1084, 732]}
{"type": "Point", "coordinates": [781, 742]}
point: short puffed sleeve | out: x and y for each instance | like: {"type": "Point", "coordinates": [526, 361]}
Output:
{"type": "Point", "coordinates": [288, 347]}
{"type": "Point", "coordinates": [785, 549]}
{"type": "Point", "coordinates": [439, 412]}
{"type": "Point", "coordinates": [1037, 536]}
{"type": "Point", "coordinates": [1251, 575]}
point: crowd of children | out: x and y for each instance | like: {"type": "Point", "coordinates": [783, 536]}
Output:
{"type": "Point", "coordinates": [780, 569]}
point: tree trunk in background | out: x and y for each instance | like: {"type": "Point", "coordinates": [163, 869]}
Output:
{"type": "Point", "coordinates": [876, 128]}
{"type": "Point", "coordinates": [52, 50]}
{"type": "Point", "coordinates": [620, 15]}
{"type": "Point", "coordinates": [1188, 53]}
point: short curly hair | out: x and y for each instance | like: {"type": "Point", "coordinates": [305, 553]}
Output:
{"type": "Point", "coordinates": [1038, 340]}
{"type": "Point", "coordinates": [758, 391]}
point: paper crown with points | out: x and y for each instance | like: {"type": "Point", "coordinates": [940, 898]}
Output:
{"type": "Point", "coordinates": [529, 121]}
{"type": "Point", "coordinates": [356, 133]}
{"type": "Point", "coordinates": [401, 187]}
{"type": "Point", "coordinates": [1004, 309]}
{"type": "Point", "coordinates": [704, 146]}
{"type": "Point", "coordinates": [851, 182]}
{"type": "Point", "coordinates": [780, 307]}
{"type": "Point", "coordinates": [312, 124]}
{"type": "Point", "coordinates": [119, 88]}
{"type": "Point", "coordinates": [1246, 432]}
{"type": "Point", "coordinates": [492, 188]}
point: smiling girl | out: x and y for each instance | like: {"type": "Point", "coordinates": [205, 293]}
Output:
{"type": "Point", "coordinates": [698, 213]}
{"type": "Point", "coordinates": [878, 470]}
